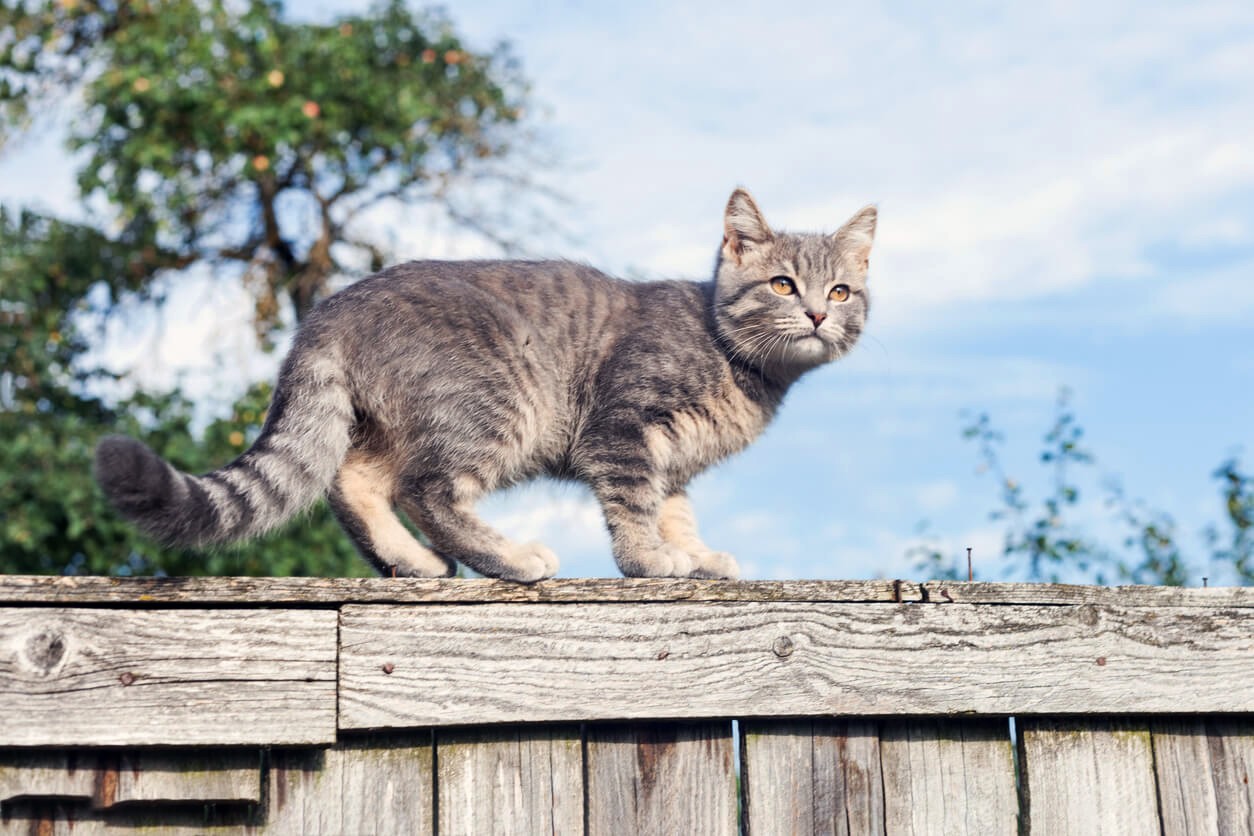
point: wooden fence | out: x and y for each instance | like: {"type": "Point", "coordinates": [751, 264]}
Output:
{"type": "Point", "coordinates": [622, 707]}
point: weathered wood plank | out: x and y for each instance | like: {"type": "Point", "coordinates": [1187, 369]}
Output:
{"type": "Point", "coordinates": [1061, 594]}
{"type": "Point", "coordinates": [1185, 776]}
{"type": "Point", "coordinates": [50, 819]}
{"type": "Point", "coordinates": [1088, 776]}
{"type": "Point", "coordinates": [365, 784]}
{"type": "Point", "coordinates": [33, 773]}
{"type": "Point", "coordinates": [519, 780]}
{"type": "Point", "coordinates": [89, 590]}
{"type": "Point", "coordinates": [661, 778]}
{"type": "Point", "coordinates": [86, 677]}
{"type": "Point", "coordinates": [805, 776]}
{"type": "Point", "coordinates": [504, 664]}
{"type": "Point", "coordinates": [949, 776]}
{"type": "Point", "coordinates": [222, 776]}
{"type": "Point", "coordinates": [1232, 758]}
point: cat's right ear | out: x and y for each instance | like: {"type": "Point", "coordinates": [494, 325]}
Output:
{"type": "Point", "coordinates": [744, 228]}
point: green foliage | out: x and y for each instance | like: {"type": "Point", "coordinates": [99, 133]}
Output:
{"type": "Point", "coordinates": [215, 133]}
{"type": "Point", "coordinates": [1042, 542]}
{"type": "Point", "coordinates": [234, 135]}
{"type": "Point", "coordinates": [52, 517]}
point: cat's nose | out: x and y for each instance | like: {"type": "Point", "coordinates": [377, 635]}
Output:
{"type": "Point", "coordinates": [816, 318]}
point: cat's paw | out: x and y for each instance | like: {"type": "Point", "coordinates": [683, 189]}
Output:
{"type": "Point", "coordinates": [665, 562]}
{"type": "Point", "coordinates": [419, 562]}
{"type": "Point", "coordinates": [715, 565]}
{"type": "Point", "coordinates": [444, 569]}
{"type": "Point", "coordinates": [529, 563]}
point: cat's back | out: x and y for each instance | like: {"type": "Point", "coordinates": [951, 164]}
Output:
{"type": "Point", "coordinates": [546, 299]}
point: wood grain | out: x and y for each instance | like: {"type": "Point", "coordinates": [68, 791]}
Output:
{"type": "Point", "coordinates": [1185, 776]}
{"type": "Point", "coordinates": [661, 778]}
{"type": "Point", "coordinates": [89, 590]}
{"type": "Point", "coordinates": [518, 780]}
{"type": "Point", "coordinates": [498, 663]}
{"type": "Point", "coordinates": [187, 677]}
{"type": "Point", "coordinates": [222, 776]}
{"type": "Point", "coordinates": [1061, 594]}
{"type": "Point", "coordinates": [949, 777]}
{"type": "Point", "coordinates": [1088, 776]}
{"type": "Point", "coordinates": [806, 776]}
{"type": "Point", "coordinates": [1204, 768]}
{"type": "Point", "coordinates": [1232, 758]}
{"type": "Point", "coordinates": [34, 773]}
{"type": "Point", "coordinates": [377, 784]}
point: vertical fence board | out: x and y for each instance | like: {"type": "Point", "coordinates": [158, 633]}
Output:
{"type": "Point", "coordinates": [1088, 776]}
{"type": "Point", "coordinates": [949, 776]}
{"type": "Point", "coordinates": [368, 784]}
{"type": "Point", "coordinates": [1184, 774]}
{"type": "Point", "coordinates": [811, 777]}
{"type": "Point", "coordinates": [661, 778]}
{"type": "Point", "coordinates": [520, 780]}
{"type": "Point", "coordinates": [1232, 754]}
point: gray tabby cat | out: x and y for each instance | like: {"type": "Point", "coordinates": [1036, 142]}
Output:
{"type": "Point", "coordinates": [432, 383]}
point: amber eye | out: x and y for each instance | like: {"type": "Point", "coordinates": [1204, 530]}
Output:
{"type": "Point", "coordinates": [839, 293]}
{"type": "Point", "coordinates": [783, 286]}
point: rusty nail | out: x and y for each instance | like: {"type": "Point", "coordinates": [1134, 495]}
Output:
{"type": "Point", "coordinates": [662, 654]}
{"type": "Point", "coordinates": [782, 647]}
{"type": "Point", "coordinates": [126, 678]}
{"type": "Point", "coordinates": [388, 667]}
{"type": "Point", "coordinates": [1101, 661]}
{"type": "Point", "coordinates": [1204, 581]}
{"type": "Point", "coordinates": [970, 571]}
{"type": "Point", "coordinates": [945, 594]}
{"type": "Point", "coordinates": [897, 591]}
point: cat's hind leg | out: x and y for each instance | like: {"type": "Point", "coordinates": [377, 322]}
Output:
{"type": "Point", "coordinates": [678, 526]}
{"type": "Point", "coordinates": [443, 508]}
{"type": "Point", "coordinates": [362, 501]}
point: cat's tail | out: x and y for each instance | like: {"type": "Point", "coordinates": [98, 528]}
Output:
{"type": "Point", "coordinates": [291, 464]}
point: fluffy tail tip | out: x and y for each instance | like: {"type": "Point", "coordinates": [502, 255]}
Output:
{"type": "Point", "coordinates": [135, 479]}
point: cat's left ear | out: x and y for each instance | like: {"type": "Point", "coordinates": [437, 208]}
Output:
{"type": "Point", "coordinates": [744, 228]}
{"type": "Point", "coordinates": [856, 236]}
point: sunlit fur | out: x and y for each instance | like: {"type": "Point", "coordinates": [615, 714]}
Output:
{"type": "Point", "coordinates": [430, 384]}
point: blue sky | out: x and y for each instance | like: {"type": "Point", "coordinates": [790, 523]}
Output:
{"type": "Point", "coordinates": [1066, 197]}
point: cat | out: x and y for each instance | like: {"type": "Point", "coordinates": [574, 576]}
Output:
{"type": "Point", "coordinates": [429, 384]}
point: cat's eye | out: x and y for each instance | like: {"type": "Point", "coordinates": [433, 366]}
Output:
{"type": "Point", "coordinates": [783, 286]}
{"type": "Point", "coordinates": [839, 293]}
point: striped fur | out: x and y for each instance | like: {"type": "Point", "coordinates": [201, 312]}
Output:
{"type": "Point", "coordinates": [430, 384]}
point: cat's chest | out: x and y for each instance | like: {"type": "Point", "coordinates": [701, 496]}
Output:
{"type": "Point", "coordinates": [694, 436]}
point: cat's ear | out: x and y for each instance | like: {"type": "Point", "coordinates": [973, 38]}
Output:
{"type": "Point", "coordinates": [855, 237]}
{"type": "Point", "coordinates": [744, 228]}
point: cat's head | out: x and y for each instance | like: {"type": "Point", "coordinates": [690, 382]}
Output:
{"type": "Point", "coordinates": [786, 302]}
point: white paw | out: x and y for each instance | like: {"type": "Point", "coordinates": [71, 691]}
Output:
{"type": "Point", "coordinates": [529, 563]}
{"type": "Point", "coordinates": [717, 565]}
{"type": "Point", "coordinates": [665, 562]}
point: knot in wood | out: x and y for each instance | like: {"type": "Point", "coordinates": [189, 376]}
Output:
{"type": "Point", "coordinates": [45, 650]}
{"type": "Point", "coordinates": [783, 647]}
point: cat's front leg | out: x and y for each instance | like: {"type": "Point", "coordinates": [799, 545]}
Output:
{"type": "Point", "coordinates": [678, 526]}
{"type": "Point", "coordinates": [632, 503]}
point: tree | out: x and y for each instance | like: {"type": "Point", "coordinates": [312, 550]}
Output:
{"type": "Point", "coordinates": [1041, 542]}
{"type": "Point", "coordinates": [216, 135]}
{"type": "Point", "coordinates": [231, 135]}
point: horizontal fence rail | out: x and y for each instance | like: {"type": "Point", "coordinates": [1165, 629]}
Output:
{"type": "Point", "coordinates": [241, 705]}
